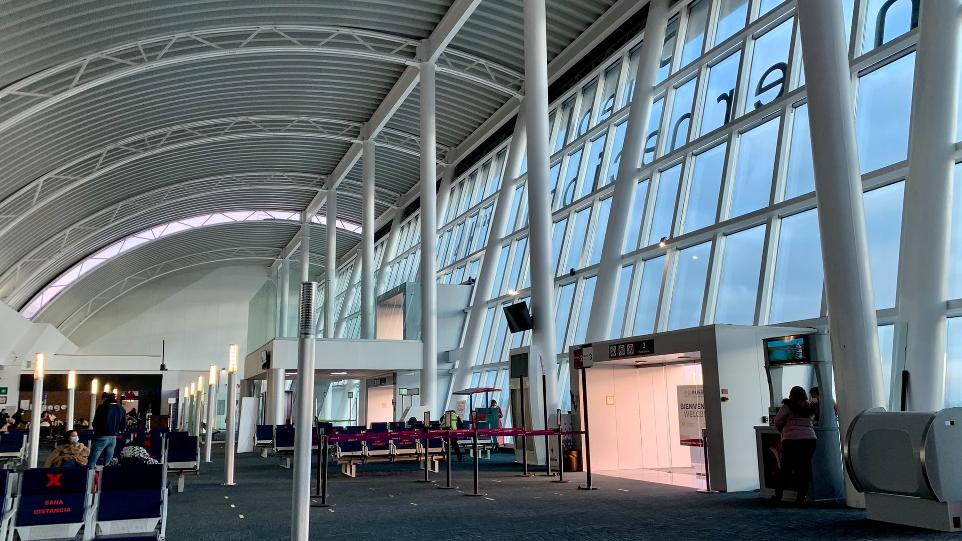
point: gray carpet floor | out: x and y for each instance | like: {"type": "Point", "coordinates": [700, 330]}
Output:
{"type": "Point", "coordinates": [385, 502]}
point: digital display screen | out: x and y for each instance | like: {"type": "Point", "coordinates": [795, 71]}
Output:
{"type": "Point", "coordinates": [787, 350]}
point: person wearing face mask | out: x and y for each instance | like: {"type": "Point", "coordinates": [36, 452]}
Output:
{"type": "Point", "coordinates": [72, 454]}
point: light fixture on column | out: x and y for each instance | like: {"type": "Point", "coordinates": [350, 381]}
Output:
{"type": "Point", "coordinates": [94, 389]}
{"type": "Point", "coordinates": [209, 412]}
{"type": "Point", "coordinates": [232, 359]}
{"type": "Point", "coordinates": [230, 443]}
{"type": "Point", "coordinates": [38, 362]}
{"type": "Point", "coordinates": [71, 397]}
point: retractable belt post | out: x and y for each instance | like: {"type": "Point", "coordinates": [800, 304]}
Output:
{"type": "Point", "coordinates": [561, 466]}
{"type": "Point", "coordinates": [477, 461]}
{"type": "Point", "coordinates": [447, 466]}
{"type": "Point", "coordinates": [584, 407]}
{"type": "Point", "coordinates": [524, 439]}
{"type": "Point", "coordinates": [427, 448]}
{"type": "Point", "coordinates": [547, 446]}
{"type": "Point", "coordinates": [322, 472]}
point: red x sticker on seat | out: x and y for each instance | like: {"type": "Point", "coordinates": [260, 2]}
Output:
{"type": "Point", "coordinates": [53, 480]}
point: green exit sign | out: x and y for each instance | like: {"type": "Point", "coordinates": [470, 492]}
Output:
{"type": "Point", "coordinates": [3, 391]}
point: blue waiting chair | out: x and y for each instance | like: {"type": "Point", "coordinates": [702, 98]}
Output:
{"type": "Point", "coordinates": [183, 456]}
{"type": "Point", "coordinates": [53, 503]}
{"type": "Point", "coordinates": [9, 504]}
{"type": "Point", "coordinates": [13, 448]}
{"type": "Point", "coordinates": [132, 502]}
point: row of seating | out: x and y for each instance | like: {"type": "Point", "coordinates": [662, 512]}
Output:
{"type": "Point", "coordinates": [349, 454]}
{"type": "Point", "coordinates": [62, 503]}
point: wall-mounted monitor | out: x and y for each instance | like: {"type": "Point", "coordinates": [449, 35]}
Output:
{"type": "Point", "coordinates": [518, 316]}
{"type": "Point", "coordinates": [795, 349]}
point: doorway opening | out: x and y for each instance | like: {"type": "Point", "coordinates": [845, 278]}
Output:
{"type": "Point", "coordinates": [650, 419]}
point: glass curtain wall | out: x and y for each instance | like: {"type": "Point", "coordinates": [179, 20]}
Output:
{"type": "Point", "coordinates": [724, 215]}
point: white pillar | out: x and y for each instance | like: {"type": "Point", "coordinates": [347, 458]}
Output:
{"type": "Point", "coordinates": [429, 236]}
{"type": "Point", "coordinates": [276, 378]}
{"type": "Point", "coordinates": [606, 285]}
{"type": "Point", "coordinates": [304, 416]}
{"type": "Point", "coordinates": [305, 248]}
{"type": "Point", "coordinates": [71, 398]}
{"type": "Point", "coordinates": [37, 406]}
{"type": "Point", "coordinates": [542, 358]}
{"type": "Point", "coordinates": [927, 208]}
{"type": "Point", "coordinates": [367, 242]}
{"type": "Point", "coordinates": [231, 440]}
{"type": "Point", "coordinates": [444, 191]}
{"type": "Point", "coordinates": [326, 413]}
{"type": "Point", "coordinates": [838, 191]}
{"type": "Point", "coordinates": [210, 411]}
{"type": "Point", "coordinates": [199, 410]}
{"type": "Point", "coordinates": [489, 261]}
{"type": "Point", "coordinates": [285, 290]}
{"type": "Point", "coordinates": [362, 402]}
{"type": "Point", "coordinates": [330, 318]}
{"type": "Point", "coordinates": [355, 274]}
{"type": "Point", "coordinates": [390, 250]}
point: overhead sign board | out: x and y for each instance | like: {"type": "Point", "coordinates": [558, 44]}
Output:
{"type": "Point", "coordinates": [583, 357]}
{"type": "Point", "coordinates": [631, 349]}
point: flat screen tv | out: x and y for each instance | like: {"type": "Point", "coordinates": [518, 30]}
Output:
{"type": "Point", "coordinates": [794, 349]}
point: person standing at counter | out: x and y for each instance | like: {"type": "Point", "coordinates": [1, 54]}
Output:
{"type": "Point", "coordinates": [794, 423]}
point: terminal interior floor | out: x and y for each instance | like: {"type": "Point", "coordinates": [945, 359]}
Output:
{"type": "Point", "coordinates": [385, 502]}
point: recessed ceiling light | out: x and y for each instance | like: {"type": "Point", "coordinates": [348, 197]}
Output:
{"type": "Point", "coordinates": [338, 373]}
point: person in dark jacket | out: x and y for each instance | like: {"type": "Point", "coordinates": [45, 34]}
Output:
{"type": "Point", "coordinates": [109, 420]}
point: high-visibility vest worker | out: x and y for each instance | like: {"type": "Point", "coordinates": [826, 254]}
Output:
{"type": "Point", "coordinates": [450, 420]}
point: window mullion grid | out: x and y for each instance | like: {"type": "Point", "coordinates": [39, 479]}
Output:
{"type": "Point", "coordinates": [782, 153]}
{"type": "Point", "coordinates": [715, 258]}
{"type": "Point", "coordinates": [718, 52]}
{"type": "Point", "coordinates": [664, 292]}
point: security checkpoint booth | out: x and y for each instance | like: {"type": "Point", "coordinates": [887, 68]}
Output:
{"type": "Point", "coordinates": [677, 407]}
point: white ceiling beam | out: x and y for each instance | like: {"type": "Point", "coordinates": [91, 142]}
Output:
{"type": "Point", "coordinates": [607, 23]}
{"type": "Point", "coordinates": [434, 45]}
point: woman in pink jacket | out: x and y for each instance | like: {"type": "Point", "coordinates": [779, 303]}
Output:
{"type": "Point", "coordinates": [794, 422]}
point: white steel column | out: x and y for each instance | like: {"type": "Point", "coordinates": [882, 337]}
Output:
{"type": "Point", "coordinates": [305, 247]}
{"type": "Point", "coordinates": [367, 242]}
{"type": "Point", "coordinates": [390, 250]}
{"type": "Point", "coordinates": [304, 412]}
{"type": "Point", "coordinates": [429, 235]}
{"type": "Point", "coordinates": [841, 220]}
{"type": "Point", "coordinates": [542, 358]}
{"type": "Point", "coordinates": [199, 407]}
{"type": "Point", "coordinates": [330, 318]}
{"type": "Point", "coordinates": [606, 286]}
{"type": "Point", "coordinates": [927, 211]}
{"type": "Point", "coordinates": [231, 439]}
{"type": "Point", "coordinates": [211, 411]}
{"type": "Point", "coordinates": [355, 273]}
{"type": "Point", "coordinates": [285, 289]}
{"type": "Point", "coordinates": [444, 191]}
{"type": "Point", "coordinates": [36, 407]}
{"type": "Point", "coordinates": [489, 261]}
{"type": "Point", "coordinates": [276, 378]}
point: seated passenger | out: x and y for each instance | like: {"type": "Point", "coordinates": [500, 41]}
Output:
{"type": "Point", "coordinates": [72, 454]}
{"type": "Point", "coordinates": [135, 454]}
{"type": "Point", "coordinates": [8, 426]}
